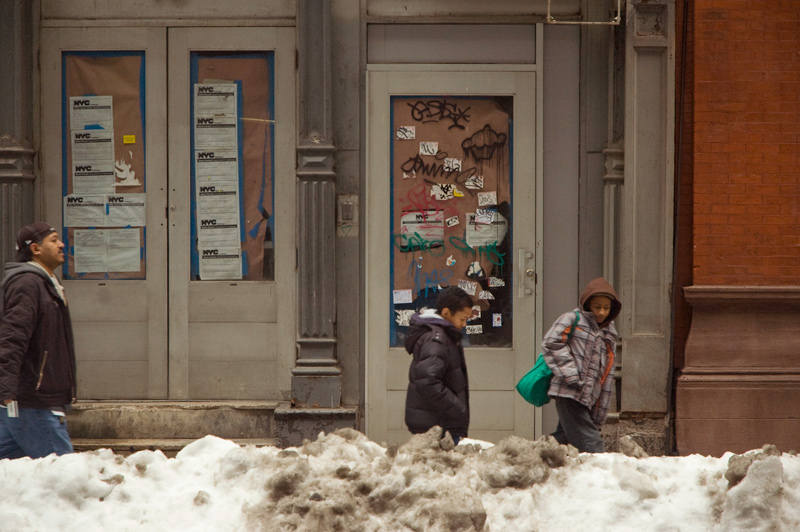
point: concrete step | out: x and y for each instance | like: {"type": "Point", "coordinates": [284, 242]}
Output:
{"type": "Point", "coordinates": [171, 420]}
{"type": "Point", "coordinates": [170, 447]}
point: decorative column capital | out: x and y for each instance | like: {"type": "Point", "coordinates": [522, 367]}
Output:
{"type": "Point", "coordinates": [615, 163]}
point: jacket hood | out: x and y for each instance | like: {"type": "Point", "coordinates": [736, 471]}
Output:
{"type": "Point", "coordinates": [15, 268]}
{"type": "Point", "coordinates": [422, 323]}
{"type": "Point", "coordinates": [598, 287]}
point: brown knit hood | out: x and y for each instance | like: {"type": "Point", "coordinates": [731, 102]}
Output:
{"type": "Point", "coordinates": [597, 287]}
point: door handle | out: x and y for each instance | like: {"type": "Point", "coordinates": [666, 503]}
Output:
{"type": "Point", "coordinates": [524, 272]}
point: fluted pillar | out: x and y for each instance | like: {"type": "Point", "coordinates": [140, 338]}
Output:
{"type": "Point", "coordinates": [316, 377]}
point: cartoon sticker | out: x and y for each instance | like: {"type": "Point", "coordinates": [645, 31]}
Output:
{"type": "Point", "coordinates": [495, 282]}
{"type": "Point", "coordinates": [497, 320]}
{"type": "Point", "coordinates": [474, 329]}
{"type": "Point", "coordinates": [475, 271]}
{"type": "Point", "coordinates": [452, 222]}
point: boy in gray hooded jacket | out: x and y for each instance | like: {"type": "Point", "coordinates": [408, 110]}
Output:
{"type": "Point", "coordinates": [583, 366]}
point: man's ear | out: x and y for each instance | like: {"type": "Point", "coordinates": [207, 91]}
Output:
{"type": "Point", "coordinates": [35, 248]}
{"type": "Point", "coordinates": [446, 313]}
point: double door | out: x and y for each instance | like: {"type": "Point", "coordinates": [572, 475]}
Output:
{"type": "Point", "coordinates": [168, 164]}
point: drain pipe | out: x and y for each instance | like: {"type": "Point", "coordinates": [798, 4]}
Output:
{"type": "Point", "coordinates": [677, 208]}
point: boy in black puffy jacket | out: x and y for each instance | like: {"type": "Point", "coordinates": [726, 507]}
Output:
{"type": "Point", "coordinates": [438, 388]}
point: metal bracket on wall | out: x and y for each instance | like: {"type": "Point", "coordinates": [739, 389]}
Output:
{"type": "Point", "coordinates": [613, 22]}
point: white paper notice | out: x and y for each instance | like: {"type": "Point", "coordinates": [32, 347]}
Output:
{"type": "Point", "coordinates": [124, 250]}
{"type": "Point", "coordinates": [125, 209]}
{"type": "Point", "coordinates": [84, 210]}
{"type": "Point", "coordinates": [215, 99]}
{"type": "Point", "coordinates": [401, 296]}
{"type": "Point", "coordinates": [212, 132]}
{"type": "Point", "coordinates": [91, 111]}
{"type": "Point", "coordinates": [93, 178]}
{"type": "Point", "coordinates": [422, 229]}
{"type": "Point", "coordinates": [91, 251]}
{"type": "Point", "coordinates": [218, 231]}
{"type": "Point", "coordinates": [486, 234]}
{"type": "Point", "coordinates": [220, 263]}
{"type": "Point", "coordinates": [107, 250]}
{"type": "Point", "coordinates": [216, 165]}
{"type": "Point", "coordinates": [219, 198]}
{"type": "Point", "coordinates": [92, 145]}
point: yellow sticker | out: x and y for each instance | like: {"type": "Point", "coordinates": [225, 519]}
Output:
{"type": "Point", "coordinates": [129, 139]}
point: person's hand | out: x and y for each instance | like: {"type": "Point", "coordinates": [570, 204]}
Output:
{"type": "Point", "coordinates": [7, 401]}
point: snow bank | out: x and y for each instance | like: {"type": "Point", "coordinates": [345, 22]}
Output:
{"type": "Point", "coordinates": [345, 482]}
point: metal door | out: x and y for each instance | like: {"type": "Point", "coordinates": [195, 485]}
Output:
{"type": "Point", "coordinates": [453, 199]}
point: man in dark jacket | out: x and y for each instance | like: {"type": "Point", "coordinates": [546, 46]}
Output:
{"type": "Point", "coordinates": [37, 356]}
{"type": "Point", "coordinates": [438, 388]}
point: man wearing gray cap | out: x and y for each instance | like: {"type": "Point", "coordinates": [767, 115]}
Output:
{"type": "Point", "coordinates": [37, 355]}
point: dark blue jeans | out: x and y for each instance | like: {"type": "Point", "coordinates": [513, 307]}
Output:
{"type": "Point", "coordinates": [575, 426]}
{"type": "Point", "coordinates": [35, 433]}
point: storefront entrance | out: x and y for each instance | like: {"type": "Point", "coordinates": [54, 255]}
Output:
{"type": "Point", "coordinates": [164, 153]}
{"type": "Point", "coordinates": [454, 173]}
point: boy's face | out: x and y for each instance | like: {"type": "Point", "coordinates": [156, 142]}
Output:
{"type": "Point", "coordinates": [458, 318]}
{"type": "Point", "coordinates": [600, 306]}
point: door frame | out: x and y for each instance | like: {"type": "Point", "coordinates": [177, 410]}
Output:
{"type": "Point", "coordinates": [383, 80]}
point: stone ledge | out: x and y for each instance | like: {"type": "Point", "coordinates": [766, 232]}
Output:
{"type": "Point", "coordinates": [698, 294]}
{"type": "Point", "coordinates": [293, 425]}
{"type": "Point", "coordinates": [177, 405]}
{"type": "Point", "coordinates": [648, 430]}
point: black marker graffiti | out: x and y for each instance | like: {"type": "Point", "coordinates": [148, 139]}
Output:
{"type": "Point", "coordinates": [437, 111]}
{"type": "Point", "coordinates": [434, 169]}
{"type": "Point", "coordinates": [482, 145]}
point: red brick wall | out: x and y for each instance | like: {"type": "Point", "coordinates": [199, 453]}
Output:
{"type": "Point", "coordinates": [746, 178]}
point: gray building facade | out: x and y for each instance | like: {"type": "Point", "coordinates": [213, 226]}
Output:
{"type": "Point", "coordinates": [256, 196]}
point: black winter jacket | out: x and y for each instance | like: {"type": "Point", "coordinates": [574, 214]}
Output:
{"type": "Point", "coordinates": [37, 354]}
{"type": "Point", "coordinates": [438, 387]}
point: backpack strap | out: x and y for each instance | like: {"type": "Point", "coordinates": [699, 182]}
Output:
{"type": "Point", "coordinates": [574, 326]}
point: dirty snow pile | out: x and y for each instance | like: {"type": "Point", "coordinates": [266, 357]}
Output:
{"type": "Point", "coordinates": [345, 482]}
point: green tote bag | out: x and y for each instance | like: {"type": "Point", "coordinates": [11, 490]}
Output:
{"type": "Point", "coordinates": [534, 385]}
